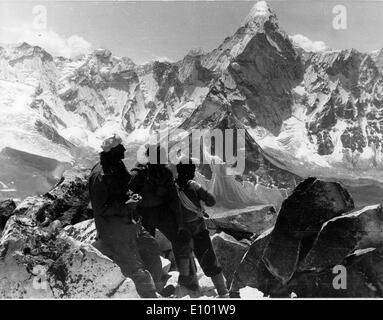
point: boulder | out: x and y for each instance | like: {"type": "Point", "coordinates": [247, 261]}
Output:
{"type": "Point", "coordinates": [363, 278]}
{"type": "Point", "coordinates": [229, 253]}
{"type": "Point", "coordinates": [6, 210]}
{"type": "Point", "coordinates": [251, 270]}
{"type": "Point", "coordinates": [325, 245]}
{"type": "Point", "coordinates": [83, 272]}
{"type": "Point", "coordinates": [24, 260]}
{"type": "Point", "coordinates": [38, 263]}
{"type": "Point", "coordinates": [340, 236]}
{"type": "Point", "coordinates": [311, 204]}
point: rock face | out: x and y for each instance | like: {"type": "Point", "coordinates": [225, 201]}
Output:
{"type": "Point", "coordinates": [83, 272]}
{"type": "Point", "coordinates": [312, 203]}
{"type": "Point", "coordinates": [311, 245]}
{"type": "Point", "coordinates": [67, 202]}
{"type": "Point", "coordinates": [36, 263]}
{"type": "Point", "coordinates": [229, 253]}
{"type": "Point", "coordinates": [37, 258]}
{"type": "Point", "coordinates": [357, 230]}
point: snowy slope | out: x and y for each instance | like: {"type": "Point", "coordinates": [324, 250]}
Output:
{"type": "Point", "coordinates": [306, 113]}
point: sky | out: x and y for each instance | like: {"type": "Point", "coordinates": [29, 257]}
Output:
{"type": "Point", "coordinates": [167, 30]}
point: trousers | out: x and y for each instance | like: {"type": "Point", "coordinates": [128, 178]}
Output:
{"type": "Point", "coordinates": [137, 253]}
{"type": "Point", "coordinates": [200, 243]}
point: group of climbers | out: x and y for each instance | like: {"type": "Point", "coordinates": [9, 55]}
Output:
{"type": "Point", "coordinates": [129, 207]}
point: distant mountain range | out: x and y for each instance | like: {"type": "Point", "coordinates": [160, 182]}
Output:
{"type": "Point", "coordinates": [305, 113]}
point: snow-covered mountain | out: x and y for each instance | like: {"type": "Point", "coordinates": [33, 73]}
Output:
{"type": "Point", "coordinates": [304, 113]}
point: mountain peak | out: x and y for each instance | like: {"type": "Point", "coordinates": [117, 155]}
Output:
{"type": "Point", "coordinates": [24, 49]}
{"type": "Point", "coordinates": [260, 12]}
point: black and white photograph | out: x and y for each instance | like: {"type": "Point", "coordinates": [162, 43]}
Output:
{"type": "Point", "coordinates": [209, 151]}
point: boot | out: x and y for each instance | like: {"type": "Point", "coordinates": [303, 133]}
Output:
{"type": "Point", "coordinates": [189, 282]}
{"type": "Point", "coordinates": [144, 284]}
{"type": "Point", "coordinates": [187, 278]}
{"type": "Point", "coordinates": [167, 291]}
{"type": "Point", "coordinates": [163, 289]}
{"type": "Point", "coordinates": [220, 285]}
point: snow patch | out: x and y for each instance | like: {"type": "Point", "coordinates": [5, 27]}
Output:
{"type": "Point", "coordinates": [261, 8]}
{"type": "Point", "coordinates": [273, 43]}
{"type": "Point", "coordinates": [249, 293]}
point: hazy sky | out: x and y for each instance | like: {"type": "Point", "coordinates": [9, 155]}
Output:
{"type": "Point", "coordinates": [149, 30]}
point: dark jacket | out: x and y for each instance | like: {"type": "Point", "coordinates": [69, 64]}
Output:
{"type": "Point", "coordinates": [155, 184]}
{"type": "Point", "coordinates": [108, 194]}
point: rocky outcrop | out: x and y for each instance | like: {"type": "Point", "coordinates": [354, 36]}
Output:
{"type": "Point", "coordinates": [67, 203]}
{"type": "Point", "coordinates": [340, 236]}
{"type": "Point", "coordinates": [36, 263]}
{"type": "Point", "coordinates": [55, 263]}
{"type": "Point", "coordinates": [312, 203]}
{"type": "Point", "coordinates": [229, 253]}
{"type": "Point", "coordinates": [6, 210]}
{"type": "Point", "coordinates": [37, 258]}
{"type": "Point", "coordinates": [47, 251]}
{"type": "Point", "coordinates": [311, 245]}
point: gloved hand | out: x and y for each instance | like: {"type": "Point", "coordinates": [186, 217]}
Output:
{"type": "Point", "coordinates": [133, 201]}
{"type": "Point", "coordinates": [183, 235]}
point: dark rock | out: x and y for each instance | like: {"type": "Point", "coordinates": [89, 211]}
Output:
{"type": "Point", "coordinates": [312, 203]}
{"type": "Point", "coordinates": [302, 253]}
{"type": "Point", "coordinates": [6, 210]}
{"type": "Point", "coordinates": [251, 270]}
{"type": "Point", "coordinates": [353, 139]}
{"type": "Point", "coordinates": [363, 278]}
{"type": "Point", "coordinates": [51, 134]}
{"type": "Point", "coordinates": [229, 253]}
{"type": "Point", "coordinates": [343, 235]}
{"type": "Point", "coordinates": [325, 145]}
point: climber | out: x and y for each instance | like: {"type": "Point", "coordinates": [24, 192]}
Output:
{"type": "Point", "coordinates": [160, 208]}
{"type": "Point", "coordinates": [191, 194]}
{"type": "Point", "coordinates": [120, 236]}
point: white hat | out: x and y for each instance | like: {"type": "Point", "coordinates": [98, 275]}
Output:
{"type": "Point", "coordinates": [111, 142]}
